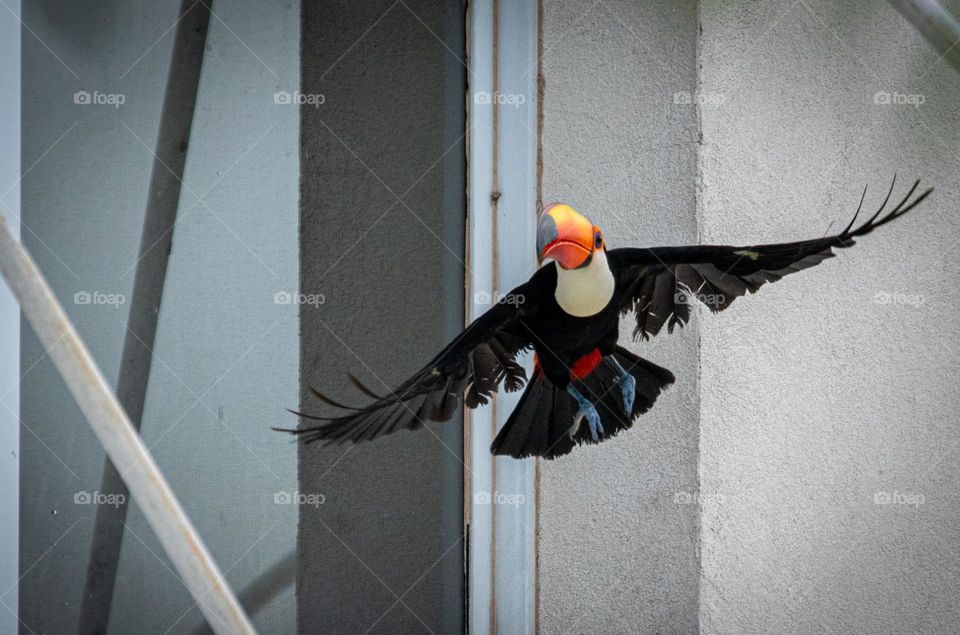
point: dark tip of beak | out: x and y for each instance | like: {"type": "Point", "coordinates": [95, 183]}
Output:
{"type": "Point", "coordinates": [546, 232]}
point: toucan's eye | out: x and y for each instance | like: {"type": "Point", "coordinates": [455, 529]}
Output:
{"type": "Point", "coordinates": [598, 240]}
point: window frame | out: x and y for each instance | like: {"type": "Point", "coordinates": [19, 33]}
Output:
{"type": "Point", "coordinates": [503, 194]}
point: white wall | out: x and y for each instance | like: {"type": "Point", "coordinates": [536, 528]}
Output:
{"type": "Point", "coordinates": [9, 320]}
{"type": "Point", "coordinates": [617, 554]}
{"type": "Point", "coordinates": [804, 404]}
{"type": "Point", "coordinates": [815, 397]}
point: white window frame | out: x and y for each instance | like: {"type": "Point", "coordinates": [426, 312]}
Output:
{"type": "Point", "coordinates": [500, 504]}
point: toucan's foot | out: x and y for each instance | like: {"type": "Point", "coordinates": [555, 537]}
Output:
{"type": "Point", "coordinates": [586, 411]}
{"type": "Point", "coordinates": [628, 387]}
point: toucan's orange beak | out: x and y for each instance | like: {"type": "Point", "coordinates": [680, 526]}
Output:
{"type": "Point", "coordinates": [565, 236]}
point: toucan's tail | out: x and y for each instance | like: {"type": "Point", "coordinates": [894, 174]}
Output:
{"type": "Point", "coordinates": [540, 424]}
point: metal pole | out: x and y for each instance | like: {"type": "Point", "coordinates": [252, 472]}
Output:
{"type": "Point", "coordinates": [936, 24]}
{"type": "Point", "coordinates": [116, 434]}
{"type": "Point", "coordinates": [265, 587]}
{"type": "Point", "coordinates": [176, 119]}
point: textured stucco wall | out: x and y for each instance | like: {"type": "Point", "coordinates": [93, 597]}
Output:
{"type": "Point", "coordinates": [838, 384]}
{"type": "Point", "coordinates": [384, 554]}
{"type": "Point", "coordinates": [617, 554]}
{"type": "Point", "coordinates": [816, 401]}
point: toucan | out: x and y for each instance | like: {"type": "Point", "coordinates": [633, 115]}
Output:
{"type": "Point", "coordinates": [569, 314]}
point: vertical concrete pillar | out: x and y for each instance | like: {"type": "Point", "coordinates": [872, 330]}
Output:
{"type": "Point", "coordinates": [382, 239]}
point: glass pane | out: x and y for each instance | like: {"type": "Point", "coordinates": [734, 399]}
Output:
{"type": "Point", "coordinates": [225, 363]}
{"type": "Point", "coordinates": [320, 231]}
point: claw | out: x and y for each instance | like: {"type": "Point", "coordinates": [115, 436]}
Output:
{"type": "Point", "coordinates": [628, 386]}
{"type": "Point", "coordinates": [593, 420]}
{"type": "Point", "coordinates": [587, 411]}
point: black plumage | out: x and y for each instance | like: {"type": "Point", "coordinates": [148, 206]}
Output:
{"type": "Point", "coordinates": [656, 284]}
{"type": "Point", "coordinates": [525, 433]}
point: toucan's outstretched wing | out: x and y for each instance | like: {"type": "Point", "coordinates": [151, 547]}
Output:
{"type": "Point", "coordinates": [659, 284]}
{"type": "Point", "coordinates": [470, 368]}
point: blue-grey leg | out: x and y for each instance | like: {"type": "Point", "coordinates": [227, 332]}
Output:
{"type": "Point", "coordinates": [586, 411]}
{"type": "Point", "coordinates": [628, 386]}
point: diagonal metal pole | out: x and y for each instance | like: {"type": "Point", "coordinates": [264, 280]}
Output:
{"type": "Point", "coordinates": [936, 24]}
{"type": "Point", "coordinates": [116, 434]}
{"type": "Point", "coordinates": [265, 587]}
{"type": "Point", "coordinates": [176, 118]}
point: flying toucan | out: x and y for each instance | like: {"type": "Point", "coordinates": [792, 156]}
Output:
{"type": "Point", "coordinates": [569, 313]}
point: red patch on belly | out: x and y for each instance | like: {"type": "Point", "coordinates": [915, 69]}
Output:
{"type": "Point", "coordinates": [536, 365]}
{"type": "Point", "coordinates": [585, 365]}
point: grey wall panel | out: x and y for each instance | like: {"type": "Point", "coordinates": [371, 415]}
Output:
{"type": "Point", "coordinates": [617, 554]}
{"type": "Point", "coordinates": [392, 524]}
{"type": "Point", "coordinates": [834, 390]}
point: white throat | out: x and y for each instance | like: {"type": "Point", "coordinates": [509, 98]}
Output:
{"type": "Point", "coordinates": [585, 292]}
